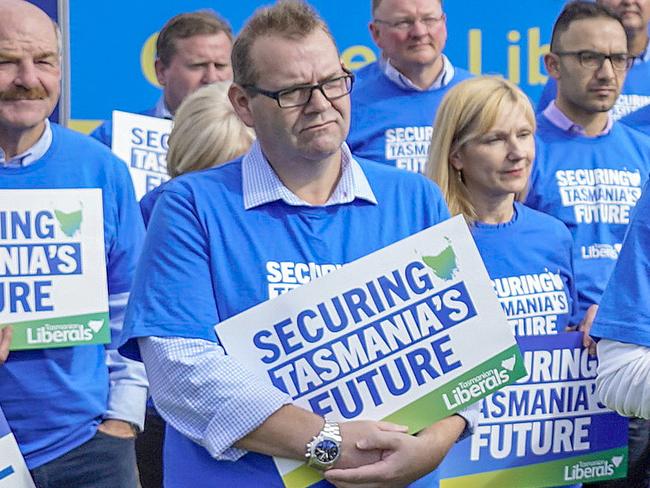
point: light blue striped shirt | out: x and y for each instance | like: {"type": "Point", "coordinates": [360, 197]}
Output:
{"type": "Point", "coordinates": [260, 183]}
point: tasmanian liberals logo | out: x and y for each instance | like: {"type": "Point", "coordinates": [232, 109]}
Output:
{"type": "Point", "coordinates": [585, 470]}
{"type": "Point", "coordinates": [63, 333]}
{"type": "Point", "coordinates": [469, 391]}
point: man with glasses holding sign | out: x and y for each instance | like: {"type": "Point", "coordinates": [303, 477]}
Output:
{"type": "Point", "coordinates": [296, 206]}
{"type": "Point", "coordinates": [590, 170]}
{"type": "Point", "coordinates": [396, 98]}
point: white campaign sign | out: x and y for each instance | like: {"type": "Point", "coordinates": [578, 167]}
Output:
{"type": "Point", "coordinates": [410, 333]}
{"type": "Point", "coordinates": [53, 289]}
{"type": "Point", "coordinates": [141, 142]}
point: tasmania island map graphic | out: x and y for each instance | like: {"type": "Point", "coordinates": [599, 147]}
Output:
{"type": "Point", "coordinates": [444, 265]}
{"type": "Point", "coordinates": [70, 223]}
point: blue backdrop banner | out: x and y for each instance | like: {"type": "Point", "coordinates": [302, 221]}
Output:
{"type": "Point", "coordinates": [112, 44]}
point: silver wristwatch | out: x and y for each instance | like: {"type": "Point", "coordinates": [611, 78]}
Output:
{"type": "Point", "coordinates": [325, 448]}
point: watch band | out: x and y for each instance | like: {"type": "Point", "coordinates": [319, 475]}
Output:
{"type": "Point", "coordinates": [332, 429]}
{"type": "Point", "coordinates": [328, 439]}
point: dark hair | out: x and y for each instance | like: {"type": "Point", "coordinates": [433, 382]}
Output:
{"type": "Point", "coordinates": [578, 10]}
{"type": "Point", "coordinates": [182, 26]}
{"type": "Point", "coordinates": [291, 19]}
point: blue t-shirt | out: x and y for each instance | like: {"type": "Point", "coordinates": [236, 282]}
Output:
{"type": "Point", "coordinates": [148, 201]}
{"type": "Point", "coordinates": [390, 124]}
{"type": "Point", "coordinates": [530, 263]}
{"type": "Point", "coordinates": [104, 133]}
{"type": "Point", "coordinates": [635, 93]}
{"type": "Point", "coordinates": [591, 184]}
{"type": "Point", "coordinates": [624, 312]}
{"type": "Point", "coordinates": [55, 398]}
{"type": "Point", "coordinates": [639, 120]}
{"type": "Point", "coordinates": [200, 238]}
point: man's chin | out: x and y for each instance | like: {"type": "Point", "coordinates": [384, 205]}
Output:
{"type": "Point", "coordinates": [319, 152]}
{"type": "Point", "coordinates": [23, 122]}
{"type": "Point", "coordinates": [604, 107]}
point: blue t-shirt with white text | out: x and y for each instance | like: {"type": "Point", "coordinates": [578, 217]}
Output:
{"type": "Point", "coordinates": [391, 124]}
{"type": "Point", "coordinates": [200, 238]}
{"type": "Point", "coordinates": [530, 263]}
{"type": "Point", "coordinates": [591, 184]}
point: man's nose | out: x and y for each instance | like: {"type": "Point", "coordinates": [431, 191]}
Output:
{"type": "Point", "coordinates": [606, 70]}
{"type": "Point", "coordinates": [212, 74]}
{"type": "Point", "coordinates": [318, 101]}
{"type": "Point", "coordinates": [26, 76]}
{"type": "Point", "coordinates": [419, 28]}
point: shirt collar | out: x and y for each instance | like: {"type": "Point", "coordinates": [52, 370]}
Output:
{"type": "Point", "coordinates": [161, 111]}
{"type": "Point", "coordinates": [443, 79]}
{"type": "Point", "coordinates": [556, 117]}
{"type": "Point", "coordinates": [33, 154]}
{"type": "Point", "coordinates": [261, 184]}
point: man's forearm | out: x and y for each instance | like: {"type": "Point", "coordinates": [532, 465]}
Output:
{"type": "Point", "coordinates": [210, 398]}
{"type": "Point", "coordinates": [284, 434]}
{"type": "Point", "coordinates": [442, 435]}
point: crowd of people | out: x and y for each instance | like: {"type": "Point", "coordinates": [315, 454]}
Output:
{"type": "Point", "coordinates": [279, 153]}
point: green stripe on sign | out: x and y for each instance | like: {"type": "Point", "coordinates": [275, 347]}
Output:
{"type": "Point", "coordinates": [501, 370]}
{"type": "Point", "coordinates": [597, 466]}
{"type": "Point", "coordinates": [75, 330]}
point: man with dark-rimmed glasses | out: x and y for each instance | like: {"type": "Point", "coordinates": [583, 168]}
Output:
{"type": "Point", "coordinates": [590, 170]}
{"type": "Point", "coordinates": [295, 207]}
{"type": "Point", "coordinates": [396, 98]}
{"type": "Point", "coordinates": [635, 92]}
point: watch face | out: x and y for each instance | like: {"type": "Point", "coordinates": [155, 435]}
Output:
{"type": "Point", "coordinates": [326, 451]}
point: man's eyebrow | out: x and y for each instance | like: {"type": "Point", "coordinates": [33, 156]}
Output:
{"type": "Point", "coordinates": [12, 57]}
{"type": "Point", "coordinates": [334, 74]}
{"type": "Point", "coordinates": [46, 54]}
{"type": "Point", "coordinates": [7, 56]}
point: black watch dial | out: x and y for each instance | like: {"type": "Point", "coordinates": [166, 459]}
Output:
{"type": "Point", "coordinates": [326, 451]}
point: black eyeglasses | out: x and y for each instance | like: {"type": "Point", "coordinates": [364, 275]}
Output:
{"type": "Point", "coordinates": [408, 24]}
{"type": "Point", "coordinates": [595, 60]}
{"type": "Point", "coordinates": [297, 96]}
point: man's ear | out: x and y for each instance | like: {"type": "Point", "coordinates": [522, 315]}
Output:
{"type": "Point", "coordinates": [552, 64]}
{"type": "Point", "coordinates": [160, 72]}
{"type": "Point", "coordinates": [241, 103]}
{"type": "Point", "coordinates": [374, 33]}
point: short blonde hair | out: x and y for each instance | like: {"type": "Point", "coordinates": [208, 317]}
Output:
{"type": "Point", "coordinates": [469, 110]}
{"type": "Point", "coordinates": [207, 131]}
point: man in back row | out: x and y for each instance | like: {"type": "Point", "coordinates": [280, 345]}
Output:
{"type": "Point", "coordinates": [297, 196]}
{"type": "Point", "coordinates": [395, 99]}
{"type": "Point", "coordinates": [635, 92]}
{"type": "Point", "coordinates": [192, 50]}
